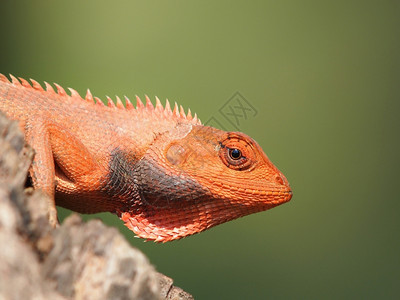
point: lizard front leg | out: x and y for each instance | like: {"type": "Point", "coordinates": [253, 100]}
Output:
{"type": "Point", "coordinates": [61, 161]}
{"type": "Point", "coordinates": [42, 171]}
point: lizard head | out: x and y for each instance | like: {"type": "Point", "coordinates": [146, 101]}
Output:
{"type": "Point", "coordinates": [197, 177]}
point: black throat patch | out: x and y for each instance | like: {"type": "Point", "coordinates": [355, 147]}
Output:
{"type": "Point", "coordinates": [142, 182]}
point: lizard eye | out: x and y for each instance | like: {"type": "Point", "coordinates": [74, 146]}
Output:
{"type": "Point", "coordinates": [235, 154]}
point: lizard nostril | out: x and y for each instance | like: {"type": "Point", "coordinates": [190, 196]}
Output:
{"type": "Point", "coordinates": [279, 180]}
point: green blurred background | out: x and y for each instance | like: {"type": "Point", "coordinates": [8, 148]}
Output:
{"type": "Point", "coordinates": [324, 78]}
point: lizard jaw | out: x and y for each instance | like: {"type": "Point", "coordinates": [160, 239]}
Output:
{"type": "Point", "coordinates": [178, 221]}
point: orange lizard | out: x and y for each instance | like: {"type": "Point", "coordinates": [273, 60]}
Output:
{"type": "Point", "coordinates": [159, 169]}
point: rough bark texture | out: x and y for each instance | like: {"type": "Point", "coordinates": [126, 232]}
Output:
{"type": "Point", "coordinates": [75, 261]}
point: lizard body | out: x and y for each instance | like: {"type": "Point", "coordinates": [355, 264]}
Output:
{"type": "Point", "coordinates": [159, 169]}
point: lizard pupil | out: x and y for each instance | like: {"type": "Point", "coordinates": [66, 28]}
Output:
{"type": "Point", "coordinates": [235, 153]}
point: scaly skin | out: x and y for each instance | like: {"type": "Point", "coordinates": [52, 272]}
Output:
{"type": "Point", "coordinates": [160, 170]}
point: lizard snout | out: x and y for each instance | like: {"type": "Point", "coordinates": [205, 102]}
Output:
{"type": "Point", "coordinates": [281, 179]}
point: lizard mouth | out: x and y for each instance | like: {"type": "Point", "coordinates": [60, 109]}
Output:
{"type": "Point", "coordinates": [288, 195]}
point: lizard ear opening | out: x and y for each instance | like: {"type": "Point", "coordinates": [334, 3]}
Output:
{"type": "Point", "coordinates": [176, 154]}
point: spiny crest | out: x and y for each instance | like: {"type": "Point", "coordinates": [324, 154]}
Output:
{"type": "Point", "coordinates": [176, 112]}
